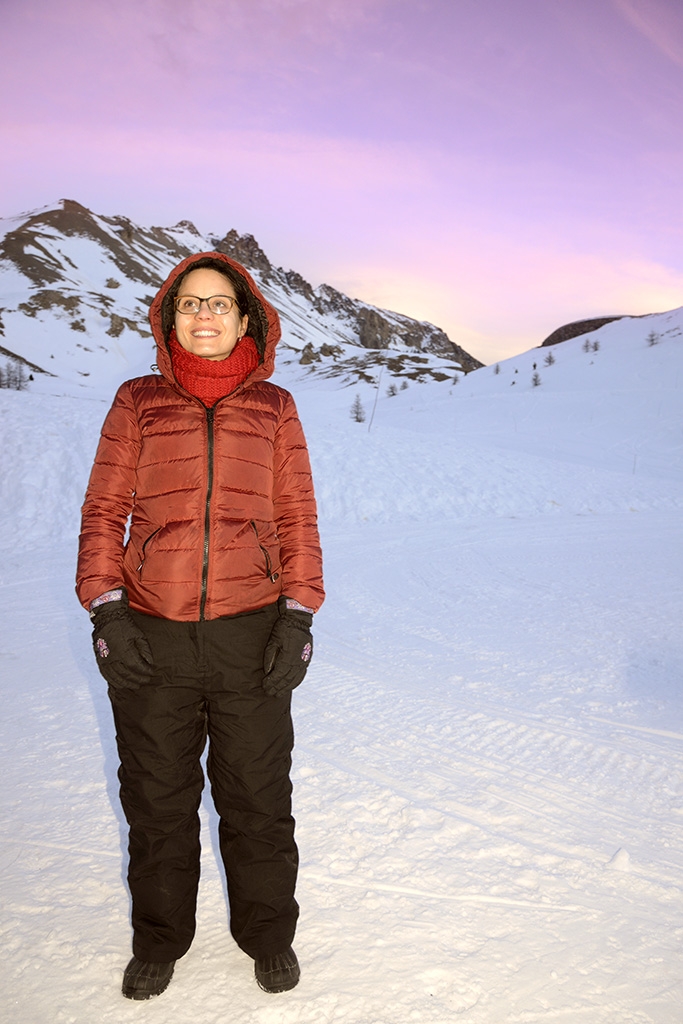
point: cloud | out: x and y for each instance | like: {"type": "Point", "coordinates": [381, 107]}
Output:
{"type": "Point", "coordinates": [660, 21]}
{"type": "Point", "coordinates": [274, 161]}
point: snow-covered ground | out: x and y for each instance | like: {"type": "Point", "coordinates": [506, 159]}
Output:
{"type": "Point", "coordinates": [489, 761]}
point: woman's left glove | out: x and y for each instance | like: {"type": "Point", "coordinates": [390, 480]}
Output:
{"type": "Point", "coordinates": [288, 651]}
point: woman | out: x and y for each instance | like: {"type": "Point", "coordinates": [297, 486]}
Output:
{"type": "Point", "coordinates": [202, 617]}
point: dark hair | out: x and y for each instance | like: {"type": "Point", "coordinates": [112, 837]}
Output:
{"type": "Point", "coordinates": [247, 303]}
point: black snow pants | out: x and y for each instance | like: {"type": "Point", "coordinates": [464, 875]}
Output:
{"type": "Point", "coordinates": [207, 683]}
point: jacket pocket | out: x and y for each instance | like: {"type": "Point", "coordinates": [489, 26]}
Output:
{"type": "Point", "coordinates": [143, 551]}
{"type": "Point", "coordinates": [269, 569]}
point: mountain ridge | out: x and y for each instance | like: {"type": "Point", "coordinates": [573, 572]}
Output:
{"type": "Point", "coordinates": [68, 269]}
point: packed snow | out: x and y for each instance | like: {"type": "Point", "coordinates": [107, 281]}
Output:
{"type": "Point", "coordinates": [488, 770]}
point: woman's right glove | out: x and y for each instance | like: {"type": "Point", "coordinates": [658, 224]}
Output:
{"type": "Point", "coordinates": [122, 652]}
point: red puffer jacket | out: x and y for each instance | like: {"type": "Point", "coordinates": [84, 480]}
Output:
{"type": "Point", "coordinates": [221, 504]}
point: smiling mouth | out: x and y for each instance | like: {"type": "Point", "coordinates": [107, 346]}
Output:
{"type": "Point", "coordinates": [205, 334]}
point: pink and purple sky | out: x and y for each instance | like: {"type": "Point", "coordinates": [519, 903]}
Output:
{"type": "Point", "coordinates": [499, 167]}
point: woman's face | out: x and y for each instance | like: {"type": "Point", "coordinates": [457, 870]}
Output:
{"type": "Point", "coordinates": [206, 334]}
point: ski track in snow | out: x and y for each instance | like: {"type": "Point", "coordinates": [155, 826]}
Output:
{"type": "Point", "coordinates": [489, 762]}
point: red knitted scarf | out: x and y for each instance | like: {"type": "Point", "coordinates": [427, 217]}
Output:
{"type": "Point", "coordinates": [211, 379]}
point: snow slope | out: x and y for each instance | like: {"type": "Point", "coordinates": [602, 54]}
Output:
{"type": "Point", "coordinates": [488, 771]}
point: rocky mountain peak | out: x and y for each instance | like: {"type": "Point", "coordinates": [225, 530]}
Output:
{"type": "Point", "coordinates": [79, 275]}
{"type": "Point", "coordinates": [246, 250]}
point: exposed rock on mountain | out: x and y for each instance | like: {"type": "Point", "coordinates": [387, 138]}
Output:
{"type": "Point", "coordinates": [373, 328]}
{"type": "Point", "coordinates": [248, 252]}
{"type": "Point", "coordinates": [67, 274]}
{"type": "Point", "coordinates": [577, 328]}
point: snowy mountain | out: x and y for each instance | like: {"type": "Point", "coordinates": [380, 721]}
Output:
{"type": "Point", "coordinates": [489, 743]}
{"type": "Point", "coordinates": [75, 288]}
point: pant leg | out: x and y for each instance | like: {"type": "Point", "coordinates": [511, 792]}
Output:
{"type": "Point", "coordinates": [250, 744]}
{"type": "Point", "coordinates": [161, 732]}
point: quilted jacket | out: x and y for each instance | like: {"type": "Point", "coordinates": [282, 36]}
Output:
{"type": "Point", "coordinates": [220, 504]}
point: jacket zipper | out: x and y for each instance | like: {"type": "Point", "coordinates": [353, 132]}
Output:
{"type": "Point", "coordinates": [207, 511]}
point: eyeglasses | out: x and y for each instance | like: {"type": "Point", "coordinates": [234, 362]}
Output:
{"type": "Point", "coordinates": [191, 304]}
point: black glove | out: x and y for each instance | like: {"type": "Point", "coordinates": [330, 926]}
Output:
{"type": "Point", "coordinates": [288, 651]}
{"type": "Point", "coordinates": [121, 650]}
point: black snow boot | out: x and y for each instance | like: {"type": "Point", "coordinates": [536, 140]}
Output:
{"type": "Point", "coordinates": [142, 980]}
{"type": "Point", "coordinates": [277, 972]}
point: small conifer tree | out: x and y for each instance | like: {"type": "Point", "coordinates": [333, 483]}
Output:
{"type": "Point", "coordinates": [13, 376]}
{"type": "Point", "coordinates": [357, 410]}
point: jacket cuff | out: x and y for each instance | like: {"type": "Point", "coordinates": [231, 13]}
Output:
{"type": "Point", "coordinates": [295, 606]}
{"type": "Point", "coordinates": [109, 595]}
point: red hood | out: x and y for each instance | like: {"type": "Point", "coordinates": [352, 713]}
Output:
{"type": "Point", "coordinates": [270, 317]}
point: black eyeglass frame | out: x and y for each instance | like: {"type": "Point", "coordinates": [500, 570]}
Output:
{"type": "Point", "coordinates": [207, 299]}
